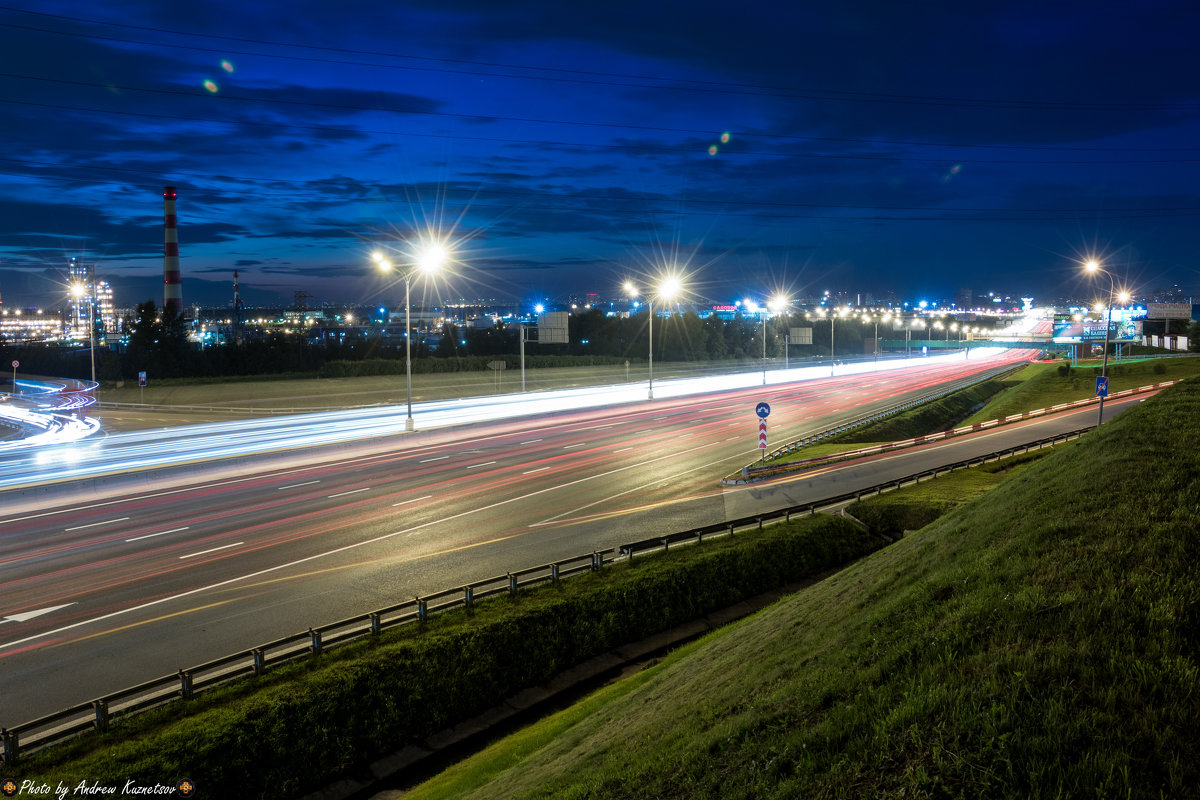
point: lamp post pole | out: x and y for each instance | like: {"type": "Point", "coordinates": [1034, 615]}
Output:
{"type": "Point", "coordinates": [650, 305]}
{"type": "Point", "coordinates": [408, 423]}
{"type": "Point", "coordinates": [832, 317]}
{"type": "Point", "coordinates": [1104, 363]}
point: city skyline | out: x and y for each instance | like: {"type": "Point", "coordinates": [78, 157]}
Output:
{"type": "Point", "coordinates": [564, 150]}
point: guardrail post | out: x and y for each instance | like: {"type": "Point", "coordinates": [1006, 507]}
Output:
{"type": "Point", "coordinates": [468, 596]}
{"type": "Point", "coordinates": [316, 641]}
{"type": "Point", "coordinates": [12, 746]}
{"type": "Point", "coordinates": [422, 609]}
{"type": "Point", "coordinates": [375, 624]}
{"type": "Point", "coordinates": [699, 537]}
{"type": "Point", "coordinates": [101, 720]}
{"type": "Point", "coordinates": [554, 573]}
{"type": "Point", "coordinates": [597, 561]}
{"type": "Point", "coordinates": [260, 660]}
{"type": "Point", "coordinates": [512, 583]}
{"type": "Point", "coordinates": [759, 523]}
{"type": "Point", "coordinates": [666, 545]}
{"type": "Point", "coordinates": [185, 684]}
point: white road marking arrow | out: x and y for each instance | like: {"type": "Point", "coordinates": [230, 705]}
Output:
{"type": "Point", "coordinates": [28, 615]}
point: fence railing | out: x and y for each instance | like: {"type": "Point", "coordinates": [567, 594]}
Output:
{"type": "Point", "coordinates": [97, 714]}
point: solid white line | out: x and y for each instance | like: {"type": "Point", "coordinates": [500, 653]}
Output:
{"type": "Point", "coordinates": [539, 469]}
{"type": "Point", "coordinates": [352, 491]}
{"type": "Point", "coordinates": [427, 460]}
{"type": "Point", "coordinates": [215, 549]}
{"type": "Point", "coordinates": [294, 485]}
{"type": "Point", "coordinates": [484, 464]}
{"type": "Point", "coordinates": [94, 524]}
{"type": "Point", "coordinates": [414, 500]}
{"type": "Point", "coordinates": [152, 535]}
{"type": "Point", "coordinates": [531, 441]}
{"type": "Point", "coordinates": [622, 450]}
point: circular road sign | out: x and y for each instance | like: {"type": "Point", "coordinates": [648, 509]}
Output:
{"type": "Point", "coordinates": [762, 409]}
{"type": "Point", "coordinates": [16, 364]}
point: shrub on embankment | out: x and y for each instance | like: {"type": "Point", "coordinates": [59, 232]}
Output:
{"type": "Point", "coordinates": [304, 725]}
{"type": "Point", "coordinates": [932, 417]}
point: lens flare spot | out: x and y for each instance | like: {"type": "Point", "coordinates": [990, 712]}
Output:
{"type": "Point", "coordinates": [211, 86]}
{"type": "Point", "coordinates": [725, 137]}
{"type": "Point", "coordinates": [955, 169]}
{"type": "Point", "coordinates": [712, 150]}
{"type": "Point", "coordinates": [227, 65]}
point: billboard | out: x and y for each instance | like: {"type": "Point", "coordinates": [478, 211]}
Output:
{"type": "Point", "coordinates": [1124, 328]}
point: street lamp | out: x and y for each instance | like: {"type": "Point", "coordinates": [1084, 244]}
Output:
{"type": "Point", "coordinates": [78, 291]}
{"type": "Point", "coordinates": [1092, 267]}
{"type": "Point", "coordinates": [668, 289]}
{"type": "Point", "coordinates": [429, 259]}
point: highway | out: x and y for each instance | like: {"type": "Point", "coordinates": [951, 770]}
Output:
{"type": "Point", "coordinates": [102, 593]}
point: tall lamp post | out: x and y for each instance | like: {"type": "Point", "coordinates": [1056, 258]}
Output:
{"type": "Point", "coordinates": [776, 304]}
{"type": "Point", "coordinates": [430, 258]}
{"type": "Point", "coordinates": [78, 291]}
{"type": "Point", "coordinates": [668, 289]}
{"type": "Point", "coordinates": [1092, 267]}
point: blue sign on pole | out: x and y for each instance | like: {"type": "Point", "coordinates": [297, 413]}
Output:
{"type": "Point", "coordinates": [1102, 386]}
{"type": "Point", "coordinates": [762, 409]}
{"type": "Point", "coordinates": [141, 379]}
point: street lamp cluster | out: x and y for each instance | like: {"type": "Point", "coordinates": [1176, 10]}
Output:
{"type": "Point", "coordinates": [669, 287]}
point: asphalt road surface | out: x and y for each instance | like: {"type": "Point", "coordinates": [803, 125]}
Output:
{"type": "Point", "coordinates": [101, 594]}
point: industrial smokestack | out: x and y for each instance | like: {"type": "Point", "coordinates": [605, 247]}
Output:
{"type": "Point", "coordinates": [172, 285]}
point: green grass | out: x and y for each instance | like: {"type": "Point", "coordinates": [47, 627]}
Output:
{"type": "Point", "coordinates": [1042, 387]}
{"type": "Point", "coordinates": [1040, 641]}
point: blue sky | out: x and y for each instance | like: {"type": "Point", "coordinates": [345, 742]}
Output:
{"type": "Point", "coordinates": [564, 147]}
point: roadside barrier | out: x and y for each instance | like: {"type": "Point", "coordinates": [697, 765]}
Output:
{"type": "Point", "coordinates": [97, 714]}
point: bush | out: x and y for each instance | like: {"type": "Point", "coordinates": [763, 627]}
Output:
{"type": "Point", "coordinates": [1160, 368]}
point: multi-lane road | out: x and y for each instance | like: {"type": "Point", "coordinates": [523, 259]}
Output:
{"type": "Point", "coordinates": [107, 591]}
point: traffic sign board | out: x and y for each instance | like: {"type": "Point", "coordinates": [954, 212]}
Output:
{"type": "Point", "coordinates": [762, 434]}
{"type": "Point", "coordinates": [1102, 386]}
{"type": "Point", "coordinates": [16, 364]}
{"type": "Point", "coordinates": [763, 410]}
{"type": "Point", "coordinates": [141, 379]}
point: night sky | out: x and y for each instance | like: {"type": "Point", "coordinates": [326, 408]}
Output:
{"type": "Point", "coordinates": [562, 147]}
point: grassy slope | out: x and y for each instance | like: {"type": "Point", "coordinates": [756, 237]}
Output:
{"type": "Point", "coordinates": [1039, 642]}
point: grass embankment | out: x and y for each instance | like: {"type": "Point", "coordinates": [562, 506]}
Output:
{"type": "Point", "coordinates": [1045, 385]}
{"type": "Point", "coordinates": [1035, 386]}
{"type": "Point", "coordinates": [305, 725]}
{"type": "Point", "coordinates": [1039, 642]}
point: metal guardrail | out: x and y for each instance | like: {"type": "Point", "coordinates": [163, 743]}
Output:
{"type": "Point", "coordinates": [97, 714]}
{"type": "Point", "coordinates": [805, 441]}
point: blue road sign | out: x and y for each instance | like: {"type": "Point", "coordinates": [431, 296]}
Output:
{"type": "Point", "coordinates": [762, 409]}
{"type": "Point", "coordinates": [1102, 386]}
{"type": "Point", "coordinates": [141, 379]}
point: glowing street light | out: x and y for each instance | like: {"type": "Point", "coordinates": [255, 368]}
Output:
{"type": "Point", "coordinates": [775, 304]}
{"type": "Point", "coordinates": [430, 257]}
{"type": "Point", "coordinates": [669, 287]}
{"type": "Point", "coordinates": [79, 291]}
{"type": "Point", "coordinates": [1092, 266]}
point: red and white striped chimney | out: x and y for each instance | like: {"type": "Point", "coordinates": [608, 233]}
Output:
{"type": "Point", "coordinates": [172, 285]}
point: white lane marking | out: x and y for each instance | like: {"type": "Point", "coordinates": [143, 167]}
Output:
{"type": "Point", "coordinates": [622, 450]}
{"type": "Point", "coordinates": [160, 533]}
{"type": "Point", "coordinates": [484, 464]}
{"type": "Point", "coordinates": [295, 485]}
{"type": "Point", "coordinates": [664, 416]}
{"type": "Point", "coordinates": [352, 491]}
{"type": "Point", "coordinates": [570, 446]}
{"type": "Point", "coordinates": [530, 472]}
{"type": "Point", "coordinates": [436, 458]}
{"type": "Point", "coordinates": [27, 615]}
{"type": "Point", "coordinates": [94, 524]}
{"type": "Point", "coordinates": [414, 500]}
{"type": "Point", "coordinates": [215, 549]}
{"type": "Point", "coordinates": [531, 441]}
{"type": "Point", "coordinates": [338, 550]}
